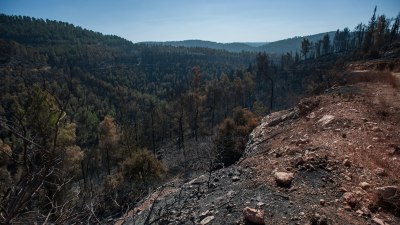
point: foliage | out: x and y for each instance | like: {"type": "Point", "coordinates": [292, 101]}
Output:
{"type": "Point", "coordinates": [108, 141]}
{"type": "Point", "coordinates": [233, 135]}
{"type": "Point", "coordinates": [142, 166]}
{"type": "Point", "coordinates": [43, 157]}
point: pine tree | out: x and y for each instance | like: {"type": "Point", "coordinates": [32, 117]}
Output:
{"type": "Point", "coordinates": [394, 32]}
{"type": "Point", "coordinates": [381, 31]}
{"type": "Point", "coordinates": [108, 140]}
{"type": "Point", "coordinates": [305, 47]}
{"type": "Point", "coordinates": [368, 39]}
{"type": "Point", "coordinates": [326, 44]}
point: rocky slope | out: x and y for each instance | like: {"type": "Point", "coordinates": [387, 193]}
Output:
{"type": "Point", "coordinates": [333, 159]}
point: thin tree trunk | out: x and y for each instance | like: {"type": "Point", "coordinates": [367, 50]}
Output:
{"type": "Point", "coordinates": [153, 134]}
{"type": "Point", "coordinates": [272, 95]}
{"type": "Point", "coordinates": [182, 145]}
{"type": "Point", "coordinates": [108, 161]}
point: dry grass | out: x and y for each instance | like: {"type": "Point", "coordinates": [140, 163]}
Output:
{"type": "Point", "coordinates": [384, 77]}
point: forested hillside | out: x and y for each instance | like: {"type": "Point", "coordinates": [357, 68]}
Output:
{"type": "Point", "coordinates": [89, 123]}
{"type": "Point", "coordinates": [231, 47]}
{"type": "Point", "coordinates": [276, 47]}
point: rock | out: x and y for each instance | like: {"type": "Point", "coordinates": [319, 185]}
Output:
{"type": "Point", "coordinates": [347, 177]}
{"type": "Point", "coordinates": [311, 115]}
{"type": "Point", "coordinates": [347, 162]}
{"type": "Point", "coordinates": [275, 118]}
{"type": "Point", "coordinates": [317, 219]}
{"type": "Point", "coordinates": [260, 204]}
{"type": "Point", "coordinates": [359, 212]}
{"type": "Point", "coordinates": [325, 120]}
{"type": "Point", "coordinates": [380, 172]}
{"type": "Point", "coordinates": [376, 129]}
{"type": "Point", "coordinates": [350, 199]}
{"type": "Point", "coordinates": [365, 211]}
{"type": "Point", "coordinates": [390, 152]}
{"type": "Point", "coordinates": [205, 214]}
{"type": "Point", "coordinates": [359, 193]}
{"type": "Point", "coordinates": [231, 193]}
{"type": "Point", "coordinates": [199, 180]}
{"type": "Point", "coordinates": [120, 222]}
{"type": "Point", "coordinates": [206, 220]}
{"type": "Point", "coordinates": [395, 149]}
{"type": "Point", "coordinates": [230, 206]}
{"type": "Point", "coordinates": [283, 178]}
{"type": "Point", "coordinates": [253, 215]}
{"type": "Point", "coordinates": [347, 208]}
{"type": "Point", "coordinates": [388, 196]}
{"type": "Point", "coordinates": [307, 105]}
{"type": "Point", "coordinates": [378, 221]}
{"type": "Point", "coordinates": [301, 141]}
{"type": "Point", "coordinates": [235, 178]}
{"type": "Point", "coordinates": [322, 202]}
{"type": "Point", "coordinates": [364, 185]}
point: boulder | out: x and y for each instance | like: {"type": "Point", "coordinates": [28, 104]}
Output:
{"type": "Point", "coordinates": [255, 216]}
{"type": "Point", "coordinates": [283, 178]}
{"type": "Point", "coordinates": [276, 118]}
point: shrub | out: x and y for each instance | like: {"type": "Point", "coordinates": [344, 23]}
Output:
{"type": "Point", "coordinates": [233, 135]}
{"type": "Point", "coordinates": [143, 166]}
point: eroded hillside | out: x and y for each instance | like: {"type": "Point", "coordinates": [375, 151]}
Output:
{"type": "Point", "coordinates": [339, 151]}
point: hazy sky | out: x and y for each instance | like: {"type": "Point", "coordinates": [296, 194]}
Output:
{"type": "Point", "coordinates": [214, 20]}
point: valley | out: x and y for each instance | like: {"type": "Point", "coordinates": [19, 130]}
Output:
{"type": "Point", "coordinates": [96, 129]}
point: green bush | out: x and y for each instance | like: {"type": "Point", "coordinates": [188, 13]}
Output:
{"type": "Point", "coordinates": [143, 166]}
{"type": "Point", "coordinates": [233, 135]}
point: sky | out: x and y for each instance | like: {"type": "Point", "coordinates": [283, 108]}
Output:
{"type": "Point", "coordinates": [213, 20]}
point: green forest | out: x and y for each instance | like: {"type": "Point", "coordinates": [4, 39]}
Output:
{"type": "Point", "coordinates": [91, 123]}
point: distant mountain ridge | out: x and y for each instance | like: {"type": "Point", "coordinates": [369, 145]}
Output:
{"type": "Point", "coordinates": [231, 47]}
{"type": "Point", "coordinates": [292, 44]}
{"type": "Point", "coordinates": [276, 47]}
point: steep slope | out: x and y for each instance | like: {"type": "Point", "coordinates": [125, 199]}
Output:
{"type": "Point", "coordinates": [342, 148]}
